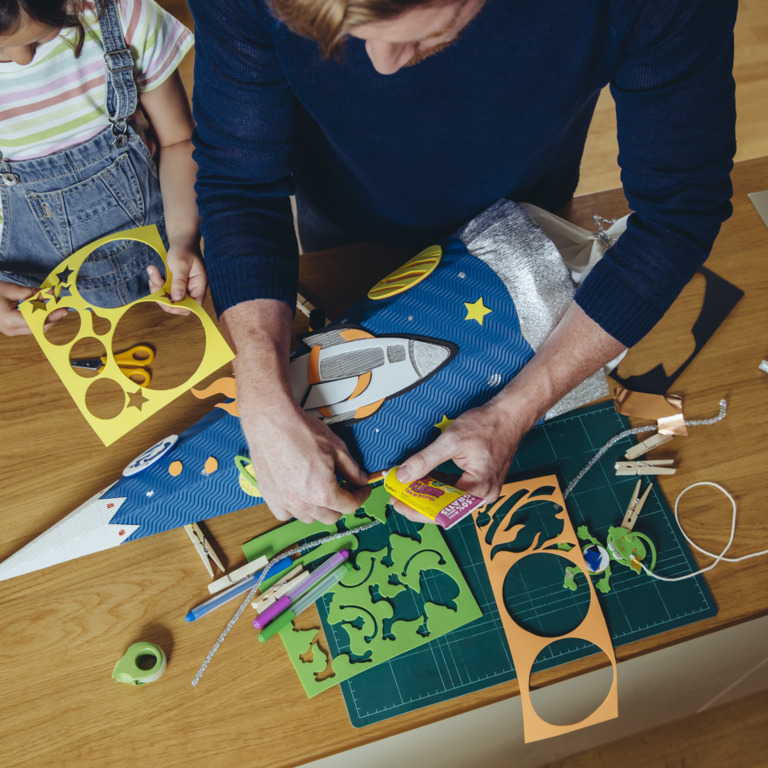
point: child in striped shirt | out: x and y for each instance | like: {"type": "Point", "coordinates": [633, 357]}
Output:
{"type": "Point", "coordinates": [72, 167]}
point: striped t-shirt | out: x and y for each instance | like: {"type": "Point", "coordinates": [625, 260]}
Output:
{"type": "Point", "coordinates": [57, 101]}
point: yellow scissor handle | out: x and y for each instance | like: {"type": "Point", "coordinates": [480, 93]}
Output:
{"type": "Point", "coordinates": [141, 355]}
{"type": "Point", "coordinates": [140, 376]}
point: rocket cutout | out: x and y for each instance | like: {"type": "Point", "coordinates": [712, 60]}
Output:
{"type": "Point", "coordinates": [348, 373]}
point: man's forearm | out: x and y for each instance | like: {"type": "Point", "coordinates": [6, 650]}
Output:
{"type": "Point", "coordinates": [483, 440]}
{"type": "Point", "coordinates": [576, 348]}
{"type": "Point", "coordinates": [259, 332]}
{"type": "Point", "coordinates": [296, 458]}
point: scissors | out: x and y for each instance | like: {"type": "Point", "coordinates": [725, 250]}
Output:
{"type": "Point", "coordinates": [132, 362]}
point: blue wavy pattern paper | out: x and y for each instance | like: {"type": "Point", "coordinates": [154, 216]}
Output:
{"type": "Point", "coordinates": [489, 354]}
{"type": "Point", "coordinates": [193, 495]}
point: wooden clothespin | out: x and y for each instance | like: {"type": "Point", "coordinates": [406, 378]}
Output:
{"type": "Point", "coordinates": [203, 548]}
{"type": "Point", "coordinates": [228, 579]}
{"type": "Point", "coordinates": [291, 580]}
{"type": "Point", "coordinates": [654, 441]}
{"type": "Point", "coordinates": [635, 505]}
{"type": "Point", "coordinates": [646, 467]}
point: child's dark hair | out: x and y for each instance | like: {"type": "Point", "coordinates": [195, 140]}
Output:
{"type": "Point", "coordinates": [57, 13]}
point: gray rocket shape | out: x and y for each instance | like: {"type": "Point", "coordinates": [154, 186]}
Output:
{"type": "Point", "coordinates": [347, 374]}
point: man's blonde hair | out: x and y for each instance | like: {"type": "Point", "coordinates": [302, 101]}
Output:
{"type": "Point", "coordinates": [328, 21]}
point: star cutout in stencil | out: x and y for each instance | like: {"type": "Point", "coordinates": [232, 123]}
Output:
{"type": "Point", "coordinates": [476, 311]}
{"type": "Point", "coordinates": [39, 302]}
{"type": "Point", "coordinates": [64, 274]}
{"type": "Point", "coordinates": [444, 423]}
{"type": "Point", "coordinates": [53, 294]}
{"type": "Point", "coordinates": [136, 399]}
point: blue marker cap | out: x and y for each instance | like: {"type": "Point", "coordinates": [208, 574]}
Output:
{"type": "Point", "coordinates": [237, 589]}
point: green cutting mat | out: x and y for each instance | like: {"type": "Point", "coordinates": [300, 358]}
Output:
{"type": "Point", "coordinates": [476, 656]}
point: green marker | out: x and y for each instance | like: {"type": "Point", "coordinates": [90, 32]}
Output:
{"type": "Point", "coordinates": [287, 616]}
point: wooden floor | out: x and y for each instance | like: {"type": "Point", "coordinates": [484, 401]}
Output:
{"type": "Point", "coordinates": [600, 170]}
{"type": "Point", "coordinates": [734, 735]}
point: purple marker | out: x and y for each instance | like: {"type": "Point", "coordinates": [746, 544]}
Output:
{"type": "Point", "coordinates": [291, 596]}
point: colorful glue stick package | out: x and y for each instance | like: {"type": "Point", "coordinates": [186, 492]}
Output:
{"type": "Point", "coordinates": [438, 501]}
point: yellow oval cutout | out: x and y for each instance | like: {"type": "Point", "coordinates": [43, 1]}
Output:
{"type": "Point", "coordinates": [420, 267]}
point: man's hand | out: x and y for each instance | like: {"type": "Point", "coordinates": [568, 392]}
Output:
{"type": "Point", "coordinates": [187, 273]}
{"type": "Point", "coordinates": [483, 441]}
{"type": "Point", "coordinates": [296, 458]}
{"type": "Point", "coordinates": [12, 323]}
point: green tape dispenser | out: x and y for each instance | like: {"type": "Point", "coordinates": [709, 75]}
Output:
{"type": "Point", "coordinates": [142, 663]}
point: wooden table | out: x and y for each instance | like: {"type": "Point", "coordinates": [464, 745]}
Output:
{"type": "Point", "coordinates": [64, 628]}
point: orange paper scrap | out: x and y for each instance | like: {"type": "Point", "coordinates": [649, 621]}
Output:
{"type": "Point", "coordinates": [666, 410]}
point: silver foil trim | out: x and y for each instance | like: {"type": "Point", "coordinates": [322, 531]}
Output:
{"type": "Point", "coordinates": [539, 281]}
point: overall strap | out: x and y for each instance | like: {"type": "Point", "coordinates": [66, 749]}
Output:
{"type": "Point", "coordinates": [122, 97]}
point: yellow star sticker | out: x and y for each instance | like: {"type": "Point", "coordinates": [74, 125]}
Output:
{"type": "Point", "coordinates": [476, 311]}
{"type": "Point", "coordinates": [444, 423]}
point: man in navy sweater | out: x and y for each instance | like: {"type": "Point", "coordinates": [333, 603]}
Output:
{"type": "Point", "coordinates": [424, 114]}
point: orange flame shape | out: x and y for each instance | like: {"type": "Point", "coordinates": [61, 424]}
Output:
{"type": "Point", "coordinates": [224, 386]}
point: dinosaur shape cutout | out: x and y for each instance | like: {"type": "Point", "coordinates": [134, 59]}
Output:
{"type": "Point", "coordinates": [402, 594]}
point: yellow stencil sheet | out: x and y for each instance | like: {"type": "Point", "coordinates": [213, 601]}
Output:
{"type": "Point", "coordinates": [526, 646]}
{"type": "Point", "coordinates": [140, 402]}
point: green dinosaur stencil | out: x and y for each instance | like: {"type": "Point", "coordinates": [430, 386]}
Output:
{"type": "Point", "coordinates": [400, 596]}
{"type": "Point", "coordinates": [286, 536]}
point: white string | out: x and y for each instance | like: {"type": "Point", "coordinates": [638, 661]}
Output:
{"type": "Point", "coordinates": [262, 575]}
{"type": "Point", "coordinates": [718, 558]}
{"type": "Point", "coordinates": [636, 431]}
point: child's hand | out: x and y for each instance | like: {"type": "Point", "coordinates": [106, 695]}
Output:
{"type": "Point", "coordinates": [12, 323]}
{"type": "Point", "coordinates": [188, 275]}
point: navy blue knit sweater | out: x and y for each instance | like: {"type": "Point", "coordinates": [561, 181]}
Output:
{"type": "Point", "coordinates": [503, 112]}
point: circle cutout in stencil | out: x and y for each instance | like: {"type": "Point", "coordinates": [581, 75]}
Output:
{"type": "Point", "coordinates": [555, 708]}
{"type": "Point", "coordinates": [177, 359]}
{"type": "Point", "coordinates": [98, 269]}
{"type": "Point", "coordinates": [91, 350]}
{"type": "Point", "coordinates": [105, 398]}
{"type": "Point", "coordinates": [64, 331]}
{"type": "Point", "coordinates": [528, 589]}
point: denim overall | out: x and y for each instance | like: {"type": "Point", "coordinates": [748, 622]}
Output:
{"type": "Point", "coordinates": [54, 205]}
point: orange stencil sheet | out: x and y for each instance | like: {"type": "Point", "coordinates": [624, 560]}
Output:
{"type": "Point", "coordinates": [59, 290]}
{"type": "Point", "coordinates": [498, 525]}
